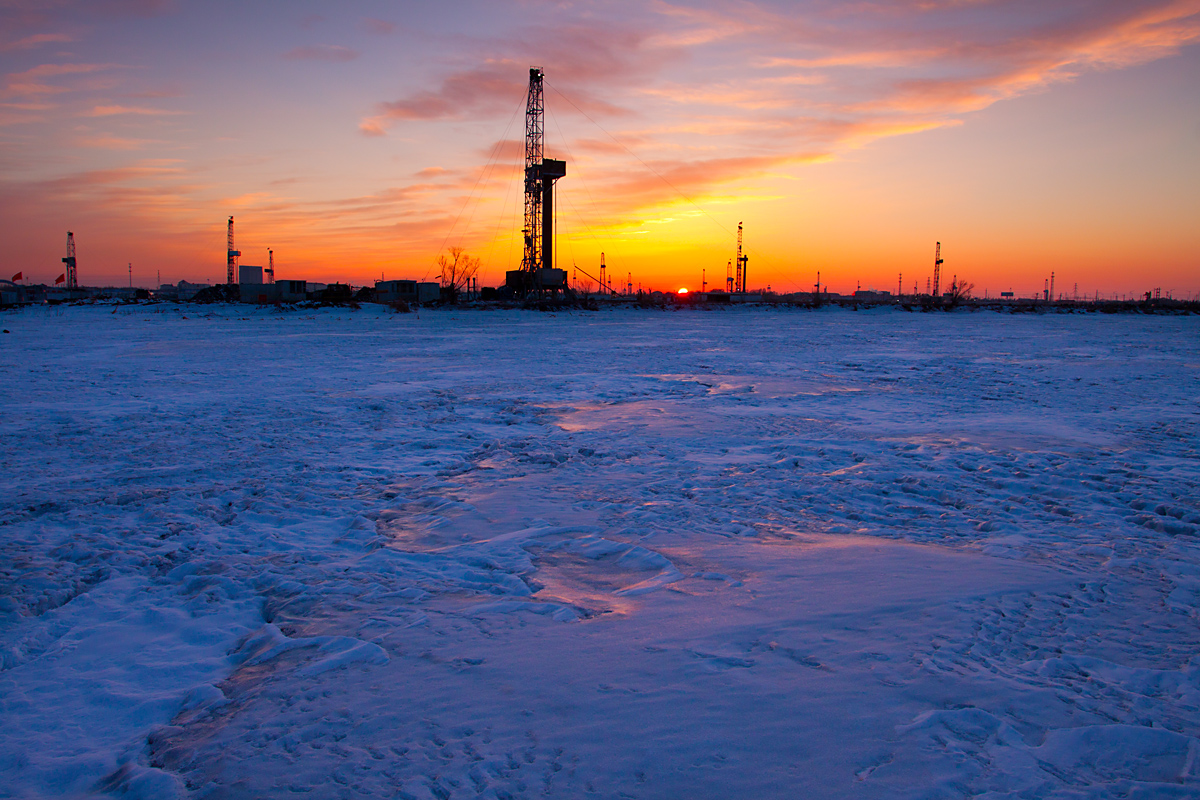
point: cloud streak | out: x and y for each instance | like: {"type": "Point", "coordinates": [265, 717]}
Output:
{"type": "Point", "coordinates": [322, 52]}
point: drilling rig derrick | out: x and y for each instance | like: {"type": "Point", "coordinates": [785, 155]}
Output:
{"type": "Point", "coordinates": [72, 275]}
{"type": "Point", "coordinates": [937, 269]}
{"type": "Point", "coordinates": [742, 260]}
{"type": "Point", "coordinates": [537, 274]}
{"type": "Point", "coordinates": [231, 276]}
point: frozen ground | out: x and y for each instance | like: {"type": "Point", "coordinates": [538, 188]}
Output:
{"type": "Point", "coordinates": [742, 554]}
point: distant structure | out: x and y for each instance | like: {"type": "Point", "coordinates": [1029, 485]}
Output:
{"type": "Point", "coordinates": [537, 274]}
{"type": "Point", "coordinates": [72, 275]}
{"type": "Point", "coordinates": [740, 285]}
{"type": "Point", "coordinates": [231, 268]}
{"type": "Point", "coordinates": [937, 269]}
{"type": "Point", "coordinates": [270, 272]}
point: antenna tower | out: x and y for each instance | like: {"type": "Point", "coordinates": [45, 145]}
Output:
{"type": "Point", "coordinates": [937, 268]}
{"type": "Point", "coordinates": [72, 277]}
{"type": "Point", "coordinates": [231, 268]}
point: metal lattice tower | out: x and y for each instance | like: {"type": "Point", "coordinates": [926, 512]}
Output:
{"type": "Point", "coordinates": [937, 268]}
{"type": "Point", "coordinates": [72, 276]}
{"type": "Point", "coordinates": [535, 132]}
{"type": "Point", "coordinates": [231, 268]}
{"type": "Point", "coordinates": [742, 264]}
{"type": "Point", "coordinates": [738, 284]}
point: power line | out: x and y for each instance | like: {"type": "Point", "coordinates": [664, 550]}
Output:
{"type": "Point", "coordinates": [486, 170]}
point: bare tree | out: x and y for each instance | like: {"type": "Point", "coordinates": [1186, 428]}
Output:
{"type": "Point", "coordinates": [457, 269]}
{"type": "Point", "coordinates": [959, 292]}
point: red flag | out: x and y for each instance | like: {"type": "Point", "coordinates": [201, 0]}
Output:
{"type": "Point", "coordinates": [60, 279]}
{"type": "Point", "coordinates": [17, 277]}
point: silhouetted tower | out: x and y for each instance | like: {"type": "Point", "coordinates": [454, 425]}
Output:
{"type": "Point", "coordinates": [729, 276]}
{"type": "Point", "coordinates": [937, 268]}
{"type": "Point", "coordinates": [540, 175]}
{"type": "Point", "coordinates": [741, 263]}
{"type": "Point", "coordinates": [1051, 285]}
{"type": "Point", "coordinates": [72, 276]}
{"type": "Point", "coordinates": [900, 285]}
{"type": "Point", "coordinates": [534, 135]}
{"type": "Point", "coordinates": [602, 275]}
{"type": "Point", "coordinates": [270, 265]}
{"type": "Point", "coordinates": [231, 268]}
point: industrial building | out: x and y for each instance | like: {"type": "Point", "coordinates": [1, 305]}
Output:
{"type": "Point", "coordinates": [407, 291]}
{"type": "Point", "coordinates": [271, 293]}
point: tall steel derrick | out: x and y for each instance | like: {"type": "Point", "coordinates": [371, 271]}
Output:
{"type": "Point", "coordinates": [937, 269]}
{"type": "Point", "coordinates": [232, 255]}
{"type": "Point", "coordinates": [535, 134]}
{"type": "Point", "coordinates": [742, 263]}
{"type": "Point", "coordinates": [540, 175]}
{"type": "Point", "coordinates": [72, 276]}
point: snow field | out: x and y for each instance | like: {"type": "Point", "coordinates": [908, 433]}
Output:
{"type": "Point", "coordinates": [627, 554]}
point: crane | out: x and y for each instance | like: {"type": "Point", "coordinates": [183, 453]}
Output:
{"type": "Point", "coordinates": [231, 268]}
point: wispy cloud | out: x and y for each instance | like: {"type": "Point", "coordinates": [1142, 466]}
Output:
{"type": "Point", "coordinates": [322, 52]}
{"type": "Point", "coordinates": [378, 26]}
{"type": "Point", "coordinates": [112, 111]}
{"type": "Point", "coordinates": [35, 40]}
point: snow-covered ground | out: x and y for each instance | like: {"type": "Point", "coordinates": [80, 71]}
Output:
{"type": "Point", "coordinates": [731, 554]}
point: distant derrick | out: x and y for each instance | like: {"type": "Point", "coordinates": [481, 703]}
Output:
{"type": "Point", "coordinates": [72, 276]}
{"type": "Point", "coordinates": [232, 255]}
{"type": "Point", "coordinates": [937, 269]}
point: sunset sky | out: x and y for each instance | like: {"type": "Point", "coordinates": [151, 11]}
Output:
{"type": "Point", "coordinates": [360, 139]}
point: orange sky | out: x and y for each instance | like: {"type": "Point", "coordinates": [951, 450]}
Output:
{"type": "Point", "coordinates": [361, 139]}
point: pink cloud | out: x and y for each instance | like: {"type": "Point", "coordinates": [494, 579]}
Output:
{"type": "Point", "coordinates": [30, 42]}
